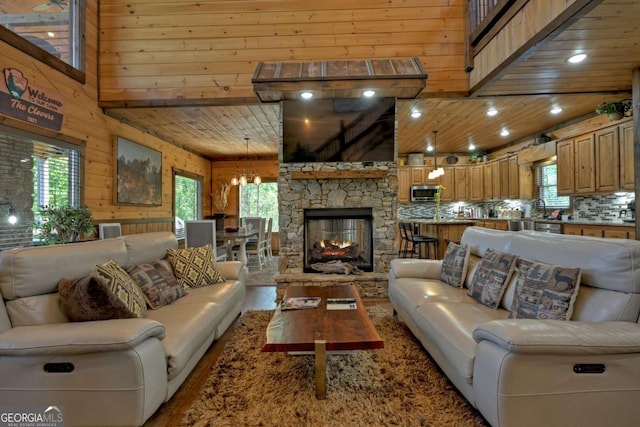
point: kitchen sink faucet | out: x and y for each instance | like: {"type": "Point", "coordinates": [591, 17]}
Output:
{"type": "Point", "coordinates": [544, 206]}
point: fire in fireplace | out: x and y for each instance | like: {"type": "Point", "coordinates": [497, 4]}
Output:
{"type": "Point", "coordinates": [338, 234]}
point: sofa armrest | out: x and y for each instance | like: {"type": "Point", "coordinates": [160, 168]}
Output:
{"type": "Point", "coordinates": [418, 268]}
{"type": "Point", "coordinates": [561, 337]}
{"type": "Point", "coordinates": [78, 337]}
{"type": "Point", "coordinates": [231, 270]}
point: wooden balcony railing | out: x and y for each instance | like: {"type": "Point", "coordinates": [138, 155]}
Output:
{"type": "Point", "coordinates": [488, 15]}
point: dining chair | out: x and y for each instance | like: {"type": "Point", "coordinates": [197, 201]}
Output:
{"type": "Point", "coordinates": [268, 249]}
{"type": "Point", "coordinates": [255, 246]}
{"type": "Point", "coordinates": [200, 233]}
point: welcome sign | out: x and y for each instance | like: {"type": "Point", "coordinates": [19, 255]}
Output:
{"type": "Point", "coordinates": [29, 103]}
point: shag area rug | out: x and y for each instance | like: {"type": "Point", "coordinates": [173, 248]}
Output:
{"type": "Point", "coordinates": [396, 386]}
{"type": "Point", "coordinates": [266, 276]}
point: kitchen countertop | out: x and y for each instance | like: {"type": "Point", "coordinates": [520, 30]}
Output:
{"type": "Point", "coordinates": [471, 221]}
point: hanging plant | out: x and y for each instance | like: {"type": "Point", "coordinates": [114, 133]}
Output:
{"type": "Point", "coordinates": [613, 110]}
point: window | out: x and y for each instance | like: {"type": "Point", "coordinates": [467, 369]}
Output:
{"type": "Point", "coordinates": [187, 190]}
{"type": "Point", "coordinates": [547, 186]}
{"type": "Point", "coordinates": [53, 30]}
{"type": "Point", "coordinates": [260, 200]}
{"type": "Point", "coordinates": [37, 171]}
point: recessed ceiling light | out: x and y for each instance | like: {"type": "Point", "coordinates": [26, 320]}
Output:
{"type": "Point", "coordinates": [576, 59]}
{"type": "Point", "coordinates": [306, 95]}
{"type": "Point", "coordinates": [51, 34]}
{"type": "Point", "coordinates": [369, 93]}
{"type": "Point", "coordinates": [471, 147]}
{"type": "Point", "coordinates": [492, 112]}
{"type": "Point", "coordinates": [504, 132]}
{"type": "Point", "coordinates": [556, 110]}
{"type": "Point", "coordinates": [416, 114]}
{"type": "Point", "coordinates": [429, 148]}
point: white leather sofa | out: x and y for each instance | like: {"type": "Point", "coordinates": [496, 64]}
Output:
{"type": "Point", "coordinates": [526, 372]}
{"type": "Point", "coordinates": [113, 372]}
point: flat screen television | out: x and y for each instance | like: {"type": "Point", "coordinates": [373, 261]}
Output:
{"type": "Point", "coordinates": [339, 130]}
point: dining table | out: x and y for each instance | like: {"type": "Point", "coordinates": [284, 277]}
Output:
{"type": "Point", "coordinates": [240, 238]}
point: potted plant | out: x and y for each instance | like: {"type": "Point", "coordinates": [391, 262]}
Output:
{"type": "Point", "coordinates": [64, 224]}
{"type": "Point", "coordinates": [613, 110]}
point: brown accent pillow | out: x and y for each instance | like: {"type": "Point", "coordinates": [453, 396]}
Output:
{"type": "Point", "coordinates": [159, 285]}
{"type": "Point", "coordinates": [87, 299]}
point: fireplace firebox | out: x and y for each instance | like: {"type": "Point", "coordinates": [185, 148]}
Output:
{"type": "Point", "coordinates": [338, 234]}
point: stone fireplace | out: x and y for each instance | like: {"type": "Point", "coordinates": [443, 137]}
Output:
{"type": "Point", "coordinates": [338, 235]}
{"type": "Point", "coordinates": [311, 186]}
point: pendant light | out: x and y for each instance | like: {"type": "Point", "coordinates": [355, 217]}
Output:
{"type": "Point", "coordinates": [244, 174]}
{"type": "Point", "coordinates": [437, 171]}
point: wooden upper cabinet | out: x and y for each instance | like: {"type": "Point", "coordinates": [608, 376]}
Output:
{"type": "Point", "coordinates": [607, 160]}
{"type": "Point", "coordinates": [447, 194]}
{"type": "Point", "coordinates": [418, 175]}
{"type": "Point", "coordinates": [476, 183]}
{"type": "Point", "coordinates": [565, 162]}
{"type": "Point", "coordinates": [504, 178]}
{"type": "Point", "coordinates": [404, 184]}
{"type": "Point", "coordinates": [461, 183]}
{"type": "Point", "coordinates": [495, 176]}
{"type": "Point", "coordinates": [585, 162]}
{"type": "Point", "coordinates": [514, 174]}
{"type": "Point", "coordinates": [488, 181]}
{"type": "Point", "coordinates": [625, 138]}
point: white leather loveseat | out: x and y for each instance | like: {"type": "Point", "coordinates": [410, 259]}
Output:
{"type": "Point", "coordinates": [107, 372]}
{"type": "Point", "coordinates": [531, 372]}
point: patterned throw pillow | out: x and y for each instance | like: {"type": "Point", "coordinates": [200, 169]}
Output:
{"type": "Point", "coordinates": [454, 264]}
{"type": "Point", "coordinates": [122, 286]}
{"type": "Point", "coordinates": [545, 291]}
{"type": "Point", "coordinates": [491, 278]}
{"type": "Point", "coordinates": [87, 299]}
{"type": "Point", "coordinates": [159, 285]}
{"type": "Point", "coordinates": [195, 267]}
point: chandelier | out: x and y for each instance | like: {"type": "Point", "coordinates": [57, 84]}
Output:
{"type": "Point", "coordinates": [245, 176]}
{"type": "Point", "coordinates": [437, 171]}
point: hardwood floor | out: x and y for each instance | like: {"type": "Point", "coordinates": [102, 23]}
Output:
{"type": "Point", "coordinates": [172, 412]}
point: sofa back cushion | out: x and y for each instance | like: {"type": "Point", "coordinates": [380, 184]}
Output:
{"type": "Point", "coordinates": [610, 268]}
{"type": "Point", "coordinates": [36, 270]}
{"type": "Point", "coordinates": [146, 247]}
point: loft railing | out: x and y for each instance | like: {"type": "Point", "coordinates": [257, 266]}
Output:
{"type": "Point", "coordinates": [486, 15]}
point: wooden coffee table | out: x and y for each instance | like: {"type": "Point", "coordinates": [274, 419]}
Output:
{"type": "Point", "coordinates": [321, 331]}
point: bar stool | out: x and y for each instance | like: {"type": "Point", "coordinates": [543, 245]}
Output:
{"type": "Point", "coordinates": [413, 241]}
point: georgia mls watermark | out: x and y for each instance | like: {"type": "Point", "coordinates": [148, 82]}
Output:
{"type": "Point", "coordinates": [50, 416]}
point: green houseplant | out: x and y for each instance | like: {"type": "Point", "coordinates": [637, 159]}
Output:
{"type": "Point", "coordinates": [613, 110]}
{"type": "Point", "coordinates": [64, 224]}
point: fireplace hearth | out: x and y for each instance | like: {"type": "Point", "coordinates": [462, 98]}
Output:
{"type": "Point", "coordinates": [338, 234]}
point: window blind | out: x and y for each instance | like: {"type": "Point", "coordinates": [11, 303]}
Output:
{"type": "Point", "coordinates": [547, 186]}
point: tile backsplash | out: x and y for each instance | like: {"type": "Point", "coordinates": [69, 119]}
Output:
{"type": "Point", "coordinates": [604, 207]}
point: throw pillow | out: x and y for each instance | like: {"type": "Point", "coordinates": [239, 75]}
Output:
{"type": "Point", "coordinates": [454, 264]}
{"type": "Point", "coordinates": [87, 299]}
{"type": "Point", "coordinates": [157, 282]}
{"type": "Point", "coordinates": [114, 278]}
{"type": "Point", "coordinates": [491, 278]}
{"type": "Point", "coordinates": [195, 267]}
{"type": "Point", "coordinates": [545, 291]}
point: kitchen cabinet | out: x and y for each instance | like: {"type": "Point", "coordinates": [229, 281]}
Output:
{"type": "Point", "coordinates": [625, 139]}
{"type": "Point", "coordinates": [565, 163]}
{"type": "Point", "coordinates": [607, 165]}
{"type": "Point", "coordinates": [514, 181]}
{"type": "Point", "coordinates": [420, 176]}
{"type": "Point", "coordinates": [493, 224]}
{"type": "Point", "coordinates": [504, 178]}
{"type": "Point", "coordinates": [447, 194]}
{"type": "Point", "coordinates": [404, 184]}
{"type": "Point", "coordinates": [488, 181]}
{"type": "Point", "coordinates": [585, 162]}
{"type": "Point", "coordinates": [460, 183]}
{"type": "Point", "coordinates": [495, 172]}
{"type": "Point", "coordinates": [476, 183]}
{"type": "Point", "coordinates": [445, 233]}
{"type": "Point", "coordinates": [611, 231]}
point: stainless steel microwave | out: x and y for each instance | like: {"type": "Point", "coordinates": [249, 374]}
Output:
{"type": "Point", "coordinates": [424, 193]}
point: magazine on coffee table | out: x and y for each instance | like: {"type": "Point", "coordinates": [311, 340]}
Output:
{"type": "Point", "coordinates": [296, 303]}
{"type": "Point", "coordinates": [341, 304]}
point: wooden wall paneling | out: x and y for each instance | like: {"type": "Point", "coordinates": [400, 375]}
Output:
{"type": "Point", "coordinates": [85, 121]}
